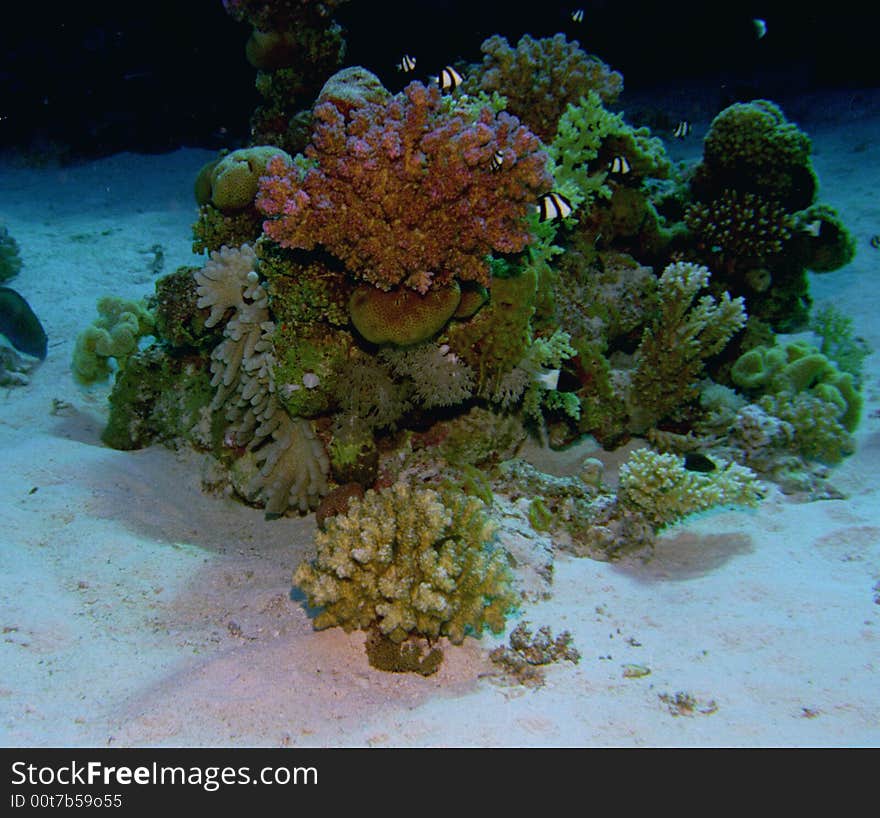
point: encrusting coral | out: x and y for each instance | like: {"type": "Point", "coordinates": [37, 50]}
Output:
{"type": "Point", "coordinates": [412, 562]}
{"type": "Point", "coordinates": [660, 489]}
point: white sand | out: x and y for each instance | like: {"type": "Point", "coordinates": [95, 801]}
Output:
{"type": "Point", "coordinates": [137, 610]}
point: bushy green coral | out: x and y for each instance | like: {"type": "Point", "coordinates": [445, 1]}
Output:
{"type": "Point", "coordinates": [662, 490]}
{"type": "Point", "coordinates": [214, 228]}
{"type": "Point", "coordinates": [498, 336]}
{"type": "Point", "coordinates": [10, 260]}
{"type": "Point", "coordinates": [115, 334]}
{"type": "Point", "coordinates": [673, 350]}
{"type": "Point", "coordinates": [412, 562]}
{"type": "Point", "coordinates": [303, 291]}
{"type": "Point", "coordinates": [752, 147]}
{"type": "Point", "coordinates": [838, 341]}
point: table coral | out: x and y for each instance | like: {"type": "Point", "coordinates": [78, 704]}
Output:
{"type": "Point", "coordinates": [411, 561]}
{"type": "Point", "coordinates": [403, 192]}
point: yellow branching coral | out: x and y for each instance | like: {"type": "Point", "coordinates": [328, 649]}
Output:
{"type": "Point", "coordinates": [663, 491]}
{"type": "Point", "coordinates": [411, 562]}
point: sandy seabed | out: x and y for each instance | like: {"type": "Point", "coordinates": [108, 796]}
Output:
{"type": "Point", "coordinates": [137, 610]}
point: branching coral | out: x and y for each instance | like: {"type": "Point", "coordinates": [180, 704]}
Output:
{"type": "Point", "coordinates": [411, 562]}
{"type": "Point", "coordinates": [740, 230]}
{"type": "Point", "coordinates": [438, 377]}
{"type": "Point", "coordinates": [540, 77]}
{"type": "Point", "coordinates": [403, 192]}
{"type": "Point", "coordinates": [752, 147]}
{"type": "Point", "coordinates": [673, 350]}
{"type": "Point", "coordinates": [10, 260]}
{"type": "Point", "coordinates": [663, 491]}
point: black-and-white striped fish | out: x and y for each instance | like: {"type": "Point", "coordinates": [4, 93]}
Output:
{"type": "Point", "coordinates": [577, 16]}
{"type": "Point", "coordinates": [496, 161]}
{"type": "Point", "coordinates": [619, 164]}
{"type": "Point", "coordinates": [682, 129]}
{"type": "Point", "coordinates": [406, 64]}
{"type": "Point", "coordinates": [553, 206]}
{"type": "Point", "coordinates": [449, 79]}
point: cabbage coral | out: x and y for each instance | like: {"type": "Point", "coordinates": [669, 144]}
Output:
{"type": "Point", "coordinates": [410, 562]}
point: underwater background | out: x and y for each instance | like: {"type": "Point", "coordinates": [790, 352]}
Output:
{"type": "Point", "coordinates": [439, 374]}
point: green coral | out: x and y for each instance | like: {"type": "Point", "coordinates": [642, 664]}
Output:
{"type": "Point", "coordinates": [740, 229]}
{"type": "Point", "coordinates": [824, 243]}
{"type": "Point", "coordinates": [752, 147]}
{"type": "Point", "coordinates": [671, 356]}
{"type": "Point", "coordinates": [817, 432]}
{"type": "Point", "coordinates": [115, 334]}
{"type": "Point", "coordinates": [411, 562]}
{"type": "Point", "coordinates": [494, 341]}
{"type": "Point", "coordinates": [214, 228]}
{"type": "Point", "coordinates": [235, 179]}
{"type": "Point", "coordinates": [659, 487]}
{"type": "Point", "coordinates": [302, 290]}
{"type": "Point", "coordinates": [799, 367]}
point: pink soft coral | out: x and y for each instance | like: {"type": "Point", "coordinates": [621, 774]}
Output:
{"type": "Point", "coordinates": [404, 192]}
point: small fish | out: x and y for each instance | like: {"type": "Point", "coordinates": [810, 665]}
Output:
{"type": "Point", "coordinates": [694, 461]}
{"type": "Point", "coordinates": [682, 129]}
{"type": "Point", "coordinates": [577, 16]}
{"type": "Point", "coordinates": [553, 206]}
{"type": "Point", "coordinates": [496, 161]}
{"type": "Point", "coordinates": [760, 27]}
{"type": "Point", "coordinates": [449, 79]}
{"type": "Point", "coordinates": [619, 164]}
{"type": "Point", "coordinates": [20, 325]}
{"type": "Point", "coordinates": [875, 242]}
{"type": "Point", "coordinates": [814, 228]}
{"type": "Point", "coordinates": [407, 64]}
